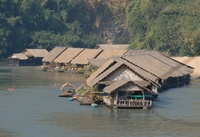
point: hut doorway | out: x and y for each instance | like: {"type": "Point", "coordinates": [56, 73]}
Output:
{"type": "Point", "coordinates": [121, 95]}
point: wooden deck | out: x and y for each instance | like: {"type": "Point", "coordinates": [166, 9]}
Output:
{"type": "Point", "coordinates": [137, 103]}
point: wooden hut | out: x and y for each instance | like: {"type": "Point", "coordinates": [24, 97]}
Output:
{"type": "Point", "coordinates": [18, 59]}
{"type": "Point", "coordinates": [170, 72]}
{"type": "Point", "coordinates": [128, 94]}
{"type": "Point", "coordinates": [86, 54]}
{"type": "Point", "coordinates": [35, 56]}
{"type": "Point", "coordinates": [117, 69]}
{"type": "Point", "coordinates": [141, 67]}
{"type": "Point", "coordinates": [54, 53]}
{"type": "Point", "coordinates": [68, 55]}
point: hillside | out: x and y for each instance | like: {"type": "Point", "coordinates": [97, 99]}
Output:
{"type": "Point", "coordinates": [171, 27]}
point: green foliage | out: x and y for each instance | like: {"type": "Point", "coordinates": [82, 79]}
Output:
{"type": "Point", "coordinates": [171, 27]}
{"type": "Point", "coordinates": [45, 24]}
{"type": "Point", "coordinates": [119, 12]}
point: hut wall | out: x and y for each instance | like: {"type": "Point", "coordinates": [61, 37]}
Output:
{"type": "Point", "coordinates": [14, 62]}
{"type": "Point", "coordinates": [22, 63]}
{"type": "Point", "coordinates": [32, 61]}
{"type": "Point", "coordinates": [17, 62]}
{"type": "Point", "coordinates": [123, 73]}
{"type": "Point", "coordinates": [173, 82]}
{"type": "Point", "coordinates": [37, 61]}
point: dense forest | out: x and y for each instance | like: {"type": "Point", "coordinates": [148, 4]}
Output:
{"type": "Point", "coordinates": [169, 26]}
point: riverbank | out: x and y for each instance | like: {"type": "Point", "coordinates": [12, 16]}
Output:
{"type": "Point", "coordinates": [193, 62]}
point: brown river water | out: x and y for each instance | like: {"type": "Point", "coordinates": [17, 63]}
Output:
{"type": "Point", "coordinates": [33, 109]}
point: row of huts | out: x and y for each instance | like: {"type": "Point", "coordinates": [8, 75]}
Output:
{"type": "Point", "coordinates": [65, 55]}
{"type": "Point", "coordinates": [124, 78]}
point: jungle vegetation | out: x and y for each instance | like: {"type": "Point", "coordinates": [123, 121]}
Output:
{"type": "Point", "coordinates": [168, 26]}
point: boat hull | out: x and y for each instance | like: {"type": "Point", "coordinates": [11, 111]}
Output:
{"type": "Point", "coordinates": [66, 95]}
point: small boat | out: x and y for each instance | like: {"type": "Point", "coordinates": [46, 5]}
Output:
{"type": "Point", "coordinates": [66, 94]}
{"type": "Point", "coordinates": [70, 99]}
{"type": "Point", "coordinates": [94, 105]}
{"type": "Point", "coordinates": [70, 92]}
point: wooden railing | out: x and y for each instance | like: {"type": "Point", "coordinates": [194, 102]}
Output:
{"type": "Point", "coordinates": [135, 103]}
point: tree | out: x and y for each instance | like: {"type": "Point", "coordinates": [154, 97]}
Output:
{"type": "Point", "coordinates": [167, 26]}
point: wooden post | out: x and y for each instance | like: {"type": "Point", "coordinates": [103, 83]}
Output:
{"type": "Point", "coordinates": [116, 97]}
{"type": "Point", "coordinates": [143, 98]}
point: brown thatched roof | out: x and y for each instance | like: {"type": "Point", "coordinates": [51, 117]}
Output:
{"type": "Point", "coordinates": [105, 74]}
{"type": "Point", "coordinates": [113, 64]}
{"type": "Point", "coordinates": [158, 64]}
{"type": "Point", "coordinates": [112, 46]}
{"type": "Point", "coordinates": [19, 56]}
{"type": "Point", "coordinates": [179, 66]}
{"type": "Point", "coordinates": [111, 53]}
{"type": "Point", "coordinates": [68, 55]}
{"type": "Point", "coordinates": [86, 54]}
{"type": "Point", "coordinates": [97, 62]}
{"type": "Point", "coordinates": [150, 66]}
{"type": "Point", "coordinates": [53, 54]}
{"type": "Point", "coordinates": [37, 53]}
{"type": "Point", "coordinates": [99, 72]}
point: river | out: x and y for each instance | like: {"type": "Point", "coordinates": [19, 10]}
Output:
{"type": "Point", "coordinates": [33, 109]}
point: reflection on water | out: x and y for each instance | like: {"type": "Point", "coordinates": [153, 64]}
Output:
{"type": "Point", "coordinates": [34, 109]}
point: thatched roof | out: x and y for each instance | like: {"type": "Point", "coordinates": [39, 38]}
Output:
{"type": "Point", "coordinates": [105, 73]}
{"type": "Point", "coordinates": [112, 46]}
{"type": "Point", "coordinates": [158, 64]}
{"type": "Point", "coordinates": [68, 55]}
{"type": "Point", "coordinates": [113, 64]}
{"type": "Point", "coordinates": [19, 56]}
{"type": "Point", "coordinates": [86, 54]}
{"type": "Point", "coordinates": [150, 66]}
{"type": "Point", "coordinates": [111, 53]}
{"type": "Point", "coordinates": [99, 72]}
{"type": "Point", "coordinates": [53, 54]}
{"type": "Point", "coordinates": [97, 62]}
{"type": "Point", "coordinates": [37, 53]}
{"type": "Point", "coordinates": [133, 52]}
